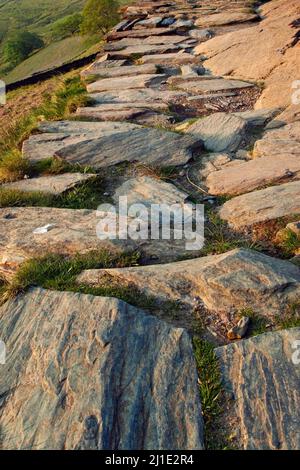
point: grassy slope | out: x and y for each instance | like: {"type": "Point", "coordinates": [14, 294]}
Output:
{"type": "Point", "coordinates": [38, 16]}
{"type": "Point", "coordinates": [57, 53]}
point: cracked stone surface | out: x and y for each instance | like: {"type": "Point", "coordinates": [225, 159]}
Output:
{"type": "Point", "coordinates": [220, 132]}
{"type": "Point", "coordinates": [263, 205]}
{"type": "Point", "coordinates": [260, 375]}
{"type": "Point", "coordinates": [74, 380]}
{"type": "Point", "coordinates": [233, 280]}
{"type": "Point", "coordinates": [106, 143]}
{"type": "Point", "coordinates": [247, 176]}
{"type": "Point", "coordinates": [56, 184]}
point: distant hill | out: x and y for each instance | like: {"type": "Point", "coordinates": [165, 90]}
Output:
{"type": "Point", "coordinates": [38, 16]}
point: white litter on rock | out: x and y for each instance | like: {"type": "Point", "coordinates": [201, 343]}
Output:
{"type": "Point", "coordinates": [41, 230]}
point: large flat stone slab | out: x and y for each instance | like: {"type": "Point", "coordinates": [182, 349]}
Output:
{"type": "Point", "coordinates": [56, 184]}
{"type": "Point", "coordinates": [241, 53]}
{"type": "Point", "coordinates": [68, 232]}
{"type": "Point", "coordinates": [264, 383]}
{"type": "Point", "coordinates": [282, 141]}
{"type": "Point", "coordinates": [220, 132]}
{"type": "Point", "coordinates": [227, 282]}
{"type": "Point", "coordinates": [146, 190]}
{"type": "Point", "coordinates": [122, 71]}
{"type": "Point", "coordinates": [139, 33]}
{"type": "Point", "coordinates": [224, 18]}
{"type": "Point", "coordinates": [106, 143]}
{"type": "Point", "coordinates": [246, 176]}
{"type": "Point", "coordinates": [144, 49]}
{"type": "Point", "coordinates": [158, 40]}
{"type": "Point", "coordinates": [212, 85]}
{"type": "Point", "coordinates": [92, 373]}
{"type": "Point", "coordinates": [139, 81]}
{"type": "Point", "coordinates": [149, 95]}
{"type": "Point", "coordinates": [179, 58]}
{"type": "Point", "coordinates": [263, 205]}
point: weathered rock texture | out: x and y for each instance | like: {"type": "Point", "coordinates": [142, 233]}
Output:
{"type": "Point", "coordinates": [85, 372]}
{"type": "Point", "coordinates": [220, 132]}
{"type": "Point", "coordinates": [106, 143]}
{"type": "Point", "coordinates": [55, 185]}
{"type": "Point", "coordinates": [264, 383]}
{"type": "Point", "coordinates": [233, 280]}
{"type": "Point", "coordinates": [263, 205]}
{"type": "Point", "coordinates": [268, 52]}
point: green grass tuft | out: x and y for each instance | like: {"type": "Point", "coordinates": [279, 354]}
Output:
{"type": "Point", "coordinates": [210, 386]}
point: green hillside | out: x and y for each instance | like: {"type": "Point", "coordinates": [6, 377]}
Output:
{"type": "Point", "coordinates": [38, 16]}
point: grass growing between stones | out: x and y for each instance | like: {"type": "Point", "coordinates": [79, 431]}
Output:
{"type": "Point", "coordinates": [87, 195]}
{"type": "Point", "coordinates": [211, 393]}
{"type": "Point", "coordinates": [56, 272]}
{"type": "Point", "coordinates": [69, 94]}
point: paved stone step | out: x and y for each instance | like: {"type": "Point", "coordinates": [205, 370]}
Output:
{"type": "Point", "coordinates": [29, 232]}
{"type": "Point", "coordinates": [225, 18]}
{"type": "Point", "coordinates": [139, 81]}
{"type": "Point", "coordinates": [114, 72]}
{"type": "Point", "coordinates": [144, 49]}
{"type": "Point", "coordinates": [140, 33]}
{"type": "Point", "coordinates": [155, 40]}
{"type": "Point", "coordinates": [246, 176]}
{"type": "Point", "coordinates": [147, 95]}
{"type": "Point", "coordinates": [56, 184]}
{"type": "Point", "coordinates": [147, 191]}
{"type": "Point", "coordinates": [105, 144]}
{"type": "Point", "coordinates": [220, 131]}
{"type": "Point", "coordinates": [91, 386]}
{"type": "Point", "coordinates": [179, 58]}
{"type": "Point", "coordinates": [224, 283]}
{"type": "Point", "coordinates": [260, 375]}
{"type": "Point", "coordinates": [282, 141]}
{"type": "Point", "coordinates": [262, 206]}
{"type": "Point", "coordinates": [63, 231]}
{"type": "Point", "coordinates": [201, 85]}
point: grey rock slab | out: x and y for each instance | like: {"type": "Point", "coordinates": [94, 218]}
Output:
{"type": "Point", "coordinates": [226, 282]}
{"type": "Point", "coordinates": [220, 132]}
{"type": "Point", "coordinates": [143, 49]}
{"type": "Point", "coordinates": [106, 143]}
{"type": "Point", "coordinates": [225, 18]}
{"type": "Point", "coordinates": [56, 184]}
{"type": "Point", "coordinates": [117, 83]}
{"type": "Point", "coordinates": [69, 232]}
{"type": "Point", "coordinates": [264, 381]}
{"type": "Point", "coordinates": [104, 66]}
{"type": "Point", "coordinates": [159, 40]}
{"type": "Point", "coordinates": [146, 190]}
{"type": "Point", "coordinates": [125, 114]}
{"type": "Point", "coordinates": [258, 118]}
{"type": "Point", "coordinates": [263, 205]}
{"type": "Point", "coordinates": [254, 174]}
{"type": "Point", "coordinates": [148, 95]}
{"type": "Point", "coordinates": [152, 22]}
{"type": "Point", "coordinates": [282, 141]}
{"type": "Point", "coordinates": [92, 373]}
{"type": "Point", "coordinates": [124, 70]}
{"type": "Point", "coordinates": [212, 85]}
{"type": "Point", "coordinates": [201, 34]}
{"type": "Point", "coordinates": [140, 33]}
{"type": "Point", "coordinates": [178, 58]}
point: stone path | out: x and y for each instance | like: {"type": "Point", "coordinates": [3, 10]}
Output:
{"type": "Point", "coordinates": [159, 107]}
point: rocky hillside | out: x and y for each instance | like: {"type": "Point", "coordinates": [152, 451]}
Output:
{"type": "Point", "coordinates": [141, 343]}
